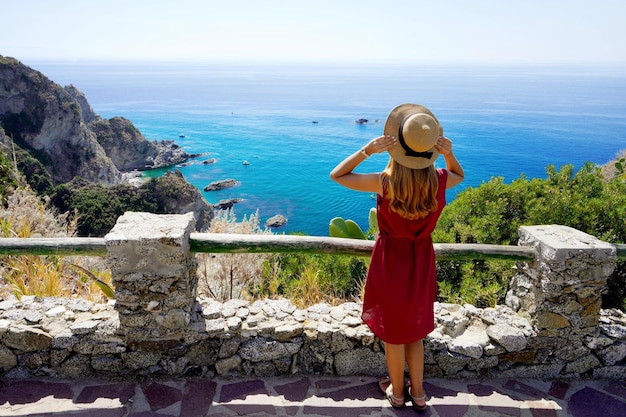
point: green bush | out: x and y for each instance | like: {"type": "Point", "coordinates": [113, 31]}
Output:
{"type": "Point", "coordinates": [99, 206]}
{"type": "Point", "coordinates": [493, 212]}
{"type": "Point", "coordinates": [34, 172]}
{"type": "Point", "coordinates": [8, 179]}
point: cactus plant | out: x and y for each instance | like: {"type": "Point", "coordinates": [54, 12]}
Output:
{"type": "Point", "coordinates": [350, 229]}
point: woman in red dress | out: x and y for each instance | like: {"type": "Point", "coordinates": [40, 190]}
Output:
{"type": "Point", "coordinates": [401, 283]}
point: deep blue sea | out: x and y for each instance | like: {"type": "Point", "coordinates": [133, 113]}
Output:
{"type": "Point", "coordinates": [293, 124]}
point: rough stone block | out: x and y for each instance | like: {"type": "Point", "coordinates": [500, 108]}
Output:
{"type": "Point", "coordinates": [359, 362]}
{"type": "Point", "coordinates": [549, 320]}
{"type": "Point", "coordinates": [470, 343]}
{"type": "Point", "coordinates": [613, 354]}
{"type": "Point", "coordinates": [7, 358]}
{"type": "Point", "coordinates": [26, 339]}
{"type": "Point", "coordinates": [582, 365]}
{"type": "Point", "coordinates": [510, 338]}
{"type": "Point", "coordinates": [558, 243]}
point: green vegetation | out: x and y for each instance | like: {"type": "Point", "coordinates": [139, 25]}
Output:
{"type": "Point", "coordinates": [99, 206]}
{"type": "Point", "coordinates": [8, 179]}
{"type": "Point", "coordinates": [307, 279]}
{"type": "Point", "coordinates": [493, 212]}
{"type": "Point", "coordinates": [620, 165]}
{"type": "Point", "coordinates": [349, 229]}
{"type": "Point", "coordinates": [22, 163]}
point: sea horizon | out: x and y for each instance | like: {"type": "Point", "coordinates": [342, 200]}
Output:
{"type": "Point", "coordinates": [294, 123]}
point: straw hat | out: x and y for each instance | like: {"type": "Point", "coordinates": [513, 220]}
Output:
{"type": "Point", "coordinates": [417, 130]}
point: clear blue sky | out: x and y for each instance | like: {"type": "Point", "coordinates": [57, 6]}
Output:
{"type": "Point", "coordinates": [410, 31]}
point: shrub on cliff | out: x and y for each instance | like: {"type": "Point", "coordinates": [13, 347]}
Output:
{"type": "Point", "coordinates": [99, 206]}
{"type": "Point", "coordinates": [8, 180]}
{"type": "Point", "coordinates": [28, 167]}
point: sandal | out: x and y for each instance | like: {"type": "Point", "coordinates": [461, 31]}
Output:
{"type": "Point", "coordinates": [385, 386]}
{"type": "Point", "coordinates": [385, 381]}
{"type": "Point", "coordinates": [414, 400]}
{"type": "Point", "coordinates": [393, 400]}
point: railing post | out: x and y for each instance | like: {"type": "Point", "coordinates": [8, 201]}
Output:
{"type": "Point", "coordinates": [560, 292]}
{"type": "Point", "coordinates": [154, 275]}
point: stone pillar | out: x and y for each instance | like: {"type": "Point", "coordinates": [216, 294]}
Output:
{"type": "Point", "coordinates": [154, 275]}
{"type": "Point", "coordinates": [560, 292]}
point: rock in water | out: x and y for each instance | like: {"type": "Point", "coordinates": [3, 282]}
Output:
{"type": "Point", "coordinates": [226, 204]}
{"type": "Point", "coordinates": [276, 221]}
{"type": "Point", "coordinates": [220, 185]}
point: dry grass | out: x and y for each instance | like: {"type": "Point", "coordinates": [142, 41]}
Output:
{"type": "Point", "coordinates": [227, 276]}
{"type": "Point", "coordinates": [221, 276]}
{"type": "Point", "coordinates": [609, 171]}
{"type": "Point", "coordinates": [26, 215]}
{"type": "Point", "coordinates": [309, 292]}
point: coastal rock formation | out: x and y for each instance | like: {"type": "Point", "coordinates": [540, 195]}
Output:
{"type": "Point", "coordinates": [180, 197]}
{"type": "Point", "coordinates": [220, 185]}
{"type": "Point", "coordinates": [129, 149]}
{"type": "Point", "coordinates": [43, 118]}
{"type": "Point", "coordinates": [58, 139]}
{"type": "Point", "coordinates": [58, 127]}
{"type": "Point", "coordinates": [85, 108]}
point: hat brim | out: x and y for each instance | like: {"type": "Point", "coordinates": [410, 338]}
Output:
{"type": "Point", "coordinates": [392, 127]}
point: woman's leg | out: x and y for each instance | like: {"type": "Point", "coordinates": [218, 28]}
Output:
{"type": "Point", "coordinates": [415, 358]}
{"type": "Point", "coordinates": [394, 354]}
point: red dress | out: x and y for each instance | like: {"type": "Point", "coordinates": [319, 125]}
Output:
{"type": "Point", "coordinates": [401, 285]}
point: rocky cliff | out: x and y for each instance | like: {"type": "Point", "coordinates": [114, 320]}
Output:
{"type": "Point", "coordinates": [129, 149]}
{"type": "Point", "coordinates": [60, 129]}
{"type": "Point", "coordinates": [63, 138]}
{"type": "Point", "coordinates": [43, 118]}
{"type": "Point", "coordinates": [86, 111]}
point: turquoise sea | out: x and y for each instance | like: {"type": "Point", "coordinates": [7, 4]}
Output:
{"type": "Point", "coordinates": [293, 124]}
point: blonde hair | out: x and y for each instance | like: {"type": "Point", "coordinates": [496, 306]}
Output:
{"type": "Point", "coordinates": [412, 193]}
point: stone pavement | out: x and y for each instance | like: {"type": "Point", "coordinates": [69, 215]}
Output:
{"type": "Point", "coordinates": [307, 396]}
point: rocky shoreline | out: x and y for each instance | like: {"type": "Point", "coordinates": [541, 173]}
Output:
{"type": "Point", "coordinates": [57, 126]}
{"type": "Point", "coordinates": [54, 133]}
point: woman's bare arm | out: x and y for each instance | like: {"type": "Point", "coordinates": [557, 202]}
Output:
{"type": "Point", "coordinates": [343, 172]}
{"type": "Point", "coordinates": [455, 171]}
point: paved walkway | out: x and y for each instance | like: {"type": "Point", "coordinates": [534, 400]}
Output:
{"type": "Point", "coordinates": [307, 397]}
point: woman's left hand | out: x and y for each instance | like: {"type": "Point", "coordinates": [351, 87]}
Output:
{"type": "Point", "coordinates": [444, 145]}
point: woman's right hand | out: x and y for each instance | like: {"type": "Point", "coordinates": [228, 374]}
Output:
{"type": "Point", "coordinates": [444, 145]}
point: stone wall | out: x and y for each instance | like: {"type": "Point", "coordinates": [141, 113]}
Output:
{"type": "Point", "coordinates": [56, 337]}
{"type": "Point", "coordinates": [552, 327]}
